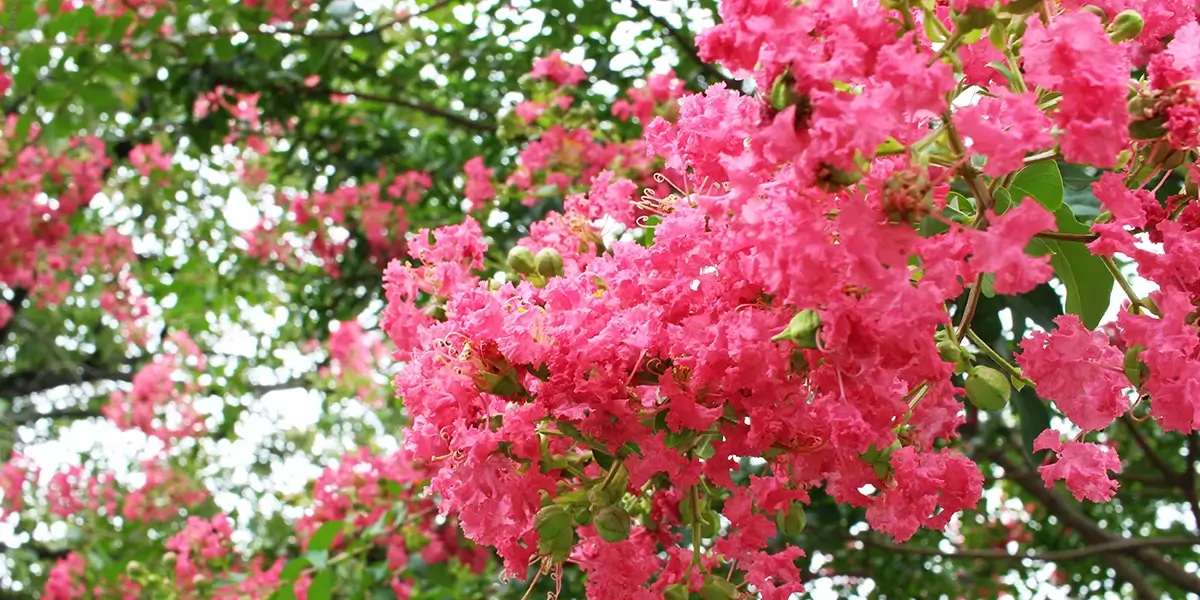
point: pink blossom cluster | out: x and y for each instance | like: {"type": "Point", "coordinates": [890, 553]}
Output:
{"type": "Point", "coordinates": [655, 98]}
{"type": "Point", "coordinates": [363, 490]}
{"type": "Point", "coordinates": [159, 403]}
{"type": "Point", "coordinates": [591, 407]}
{"type": "Point", "coordinates": [372, 210]}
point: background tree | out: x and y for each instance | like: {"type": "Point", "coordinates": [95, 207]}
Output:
{"type": "Point", "coordinates": [198, 203]}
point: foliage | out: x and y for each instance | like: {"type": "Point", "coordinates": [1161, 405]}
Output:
{"type": "Point", "coordinates": [676, 301]}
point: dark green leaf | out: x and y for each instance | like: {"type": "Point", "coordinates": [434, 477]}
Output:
{"type": "Point", "coordinates": [323, 538]}
{"type": "Point", "coordinates": [1033, 415]}
{"type": "Point", "coordinates": [1042, 182]}
{"type": "Point", "coordinates": [1089, 283]}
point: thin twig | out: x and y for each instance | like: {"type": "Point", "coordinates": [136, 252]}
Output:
{"type": "Point", "coordinates": [687, 45]}
{"type": "Point", "coordinates": [1113, 546]}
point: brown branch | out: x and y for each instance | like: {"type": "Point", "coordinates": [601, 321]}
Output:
{"type": "Point", "coordinates": [26, 383]}
{"type": "Point", "coordinates": [1147, 450]}
{"type": "Point", "coordinates": [417, 106]}
{"type": "Point", "coordinates": [1092, 533]}
{"type": "Point", "coordinates": [688, 46]}
{"type": "Point", "coordinates": [1083, 238]}
{"type": "Point", "coordinates": [1113, 546]}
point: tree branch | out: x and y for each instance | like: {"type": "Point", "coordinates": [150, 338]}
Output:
{"type": "Point", "coordinates": [688, 46]}
{"type": "Point", "coordinates": [1113, 546]}
{"type": "Point", "coordinates": [25, 383]}
{"type": "Point", "coordinates": [1193, 446]}
{"type": "Point", "coordinates": [1147, 450]}
{"type": "Point", "coordinates": [1092, 533]}
{"type": "Point", "coordinates": [434, 111]}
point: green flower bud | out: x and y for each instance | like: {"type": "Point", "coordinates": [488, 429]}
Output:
{"type": "Point", "coordinates": [831, 179]}
{"type": "Point", "coordinates": [975, 18]}
{"type": "Point", "coordinates": [951, 352]}
{"type": "Point", "coordinates": [675, 592]}
{"type": "Point", "coordinates": [583, 516]}
{"type": "Point", "coordinates": [612, 523]}
{"type": "Point", "coordinates": [802, 329]}
{"type": "Point", "coordinates": [987, 388]}
{"type": "Point", "coordinates": [520, 260]}
{"type": "Point", "coordinates": [617, 484]}
{"type": "Point", "coordinates": [1135, 369]}
{"type": "Point", "coordinates": [783, 92]}
{"type": "Point", "coordinates": [716, 588]}
{"type": "Point", "coordinates": [504, 384]}
{"type": "Point", "coordinates": [1096, 10]}
{"type": "Point", "coordinates": [792, 520]}
{"type": "Point", "coordinates": [548, 263]}
{"type": "Point", "coordinates": [551, 521]}
{"type": "Point", "coordinates": [1126, 25]}
{"type": "Point", "coordinates": [599, 498]}
{"type": "Point", "coordinates": [558, 548]}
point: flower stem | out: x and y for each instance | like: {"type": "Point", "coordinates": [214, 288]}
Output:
{"type": "Point", "coordinates": [995, 356]}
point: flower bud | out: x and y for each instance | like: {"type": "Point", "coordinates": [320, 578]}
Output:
{"type": "Point", "coordinates": [831, 179]}
{"type": "Point", "coordinates": [548, 263]}
{"type": "Point", "coordinates": [1126, 25]}
{"type": "Point", "coordinates": [599, 498]}
{"type": "Point", "coordinates": [783, 92]}
{"type": "Point", "coordinates": [675, 592]}
{"type": "Point", "coordinates": [1096, 10]}
{"type": "Point", "coordinates": [520, 260]}
{"type": "Point", "coordinates": [558, 548]}
{"type": "Point", "coordinates": [504, 384]}
{"type": "Point", "coordinates": [551, 522]}
{"type": "Point", "coordinates": [987, 388]}
{"type": "Point", "coordinates": [792, 520]}
{"type": "Point", "coordinates": [975, 18]}
{"type": "Point", "coordinates": [617, 482]}
{"type": "Point", "coordinates": [802, 329]}
{"type": "Point", "coordinates": [1135, 369]}
{"type": "Point", "coordinates": [710, 525]}
{"type": "Point", "coordinates": [583, 516]}
{"type": "Point", "coordinates": [716, 588]}
{"type": "Point", "coordinates": [612, 523]}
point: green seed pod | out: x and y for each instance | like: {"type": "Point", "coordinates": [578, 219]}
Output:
{"type": "Point", "coordinates": [583, 516]}
{"type": "Point", "coordinates": [792, 520]}
{"type": "Point", "coordinates": [558, 548]}
{"type": "Point", "coordinates": [783, 92]}
{"type": "Point", "coordinates": [551, 521]}
{"type": "Point", "coordinates": [599, 498]}
{"type": "Point", "coordinates": [620, 480]}
{"type": "Point", "coordinates": [802, 329]}
{"type": "Point", "coordinates": [548, 263]}
{"type": "Point", "coordinates": [520, 260]}
{"type": "Point", "coordinates": [1127, 25]}
{"type": "Point", "coordinates": [987, 388]}
{"type": "Point", "coordinates": [675, 592]}
{"type": "Point", "coordinates": [1135, 369]}
{"type": "Point", "coordinates": [612, 523]}
{"type": "Point", "coordinates": [501, 384]}
{"type": "Point", "coordinates": [716, 588]}
{"type": "Point", "coordinates": [1096, 10]}
{"type": "Point", "coordinates": [950, 351]}
{"type": "Point", "coordinates": [975, 18]}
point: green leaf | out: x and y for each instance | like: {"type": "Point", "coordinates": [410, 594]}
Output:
{"type": "Point", "coordinates": [1088, 282]}
{"type": "Point", "coordinates": [293, 569]}
{"type": "Point", "coordinates": [1002, 201]}
{"type": "Point", "coordinates": [1042, 182]}
{"type": "Point", "coordinates": [323, 538]}
{"type": "Point", "coordinates": [322, 586]}
{"type": "Point", "coordinates": [285, 592]}
{"type": "Point", "coordinates": [29, 62]}
{"type": "Point", "coordinates": [26, 17]}
{"type": "Point", "coordinates": [1033, 414]}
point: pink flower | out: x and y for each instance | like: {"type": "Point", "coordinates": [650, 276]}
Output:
{"type": "Point", "coordinates": [1074, 56]}
{"type": "Point", "coordinates": [1082, 466]}
{"type": "Point", "coordinates": [529, 111]}
{"type": "Point", "coordinates": [554, 68]}
{"type": "Point", "coordinates": [148, 158]}
{"type": "Point", "coordinates": [1079, 371]}
{"type": "Point", "coordinates": [1001, 249]}
{"type": "Point", "coordinates": [1004, 129]}
{"type": "Point", "coordinates": [479, 184]}
{"type": "Point", "coordinates": [925, 482]}
{"type": "Point", "coordinates": [66, 580]}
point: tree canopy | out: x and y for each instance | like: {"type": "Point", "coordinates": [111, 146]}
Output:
{"type": "Point", "coordinates": [589, 299]}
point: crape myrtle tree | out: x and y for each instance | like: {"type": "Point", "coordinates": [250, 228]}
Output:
{"type": "Point", "coordinates": [579, 299]}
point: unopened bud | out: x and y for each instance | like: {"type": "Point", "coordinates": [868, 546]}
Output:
{"type": "Point", "coordinates": [583, 516]}
{"type": "Point", "coordinates": [612, 523]}
{"type": "Point", "coordinates": [716, 588]}
{"type": "Point", "coordinates": [548, 263]}
{"type": "Point", "coordinates": [1096, 10]}
{"type": "Point", "coordinates": [802, 329]}
{"type": "Point", "coordinates": [975, 18]}
{"type": "Point", "coordinates": [1127, 25]}
{"type": "Point", "coordinates": [1147, 129]}
{"type": "Point", "coordinates": [551, 521]}
{"type": "Point", "coordinates": [558, 548]}
{"type": "Point", "coordinates": [783, 92]}
{"type": "Point", "coordinates": [520, 259]}
{"type": "Point", "coordinates": [987, 388]}
{"type": "Point", "coordinates": [831, 179]}
{"type": "Point", "coordinates": [599, 498]}
{"type": "Point", "coordinates": [1135, 369]}
{"type": "Point", "coordinates": [675, 592]}
{"type": "Point", "coordinates": [618, 482]}
{"type": "Point", "coordinates": [505, 385]}
{"type": "Point", "coordinates": [792, 520]}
